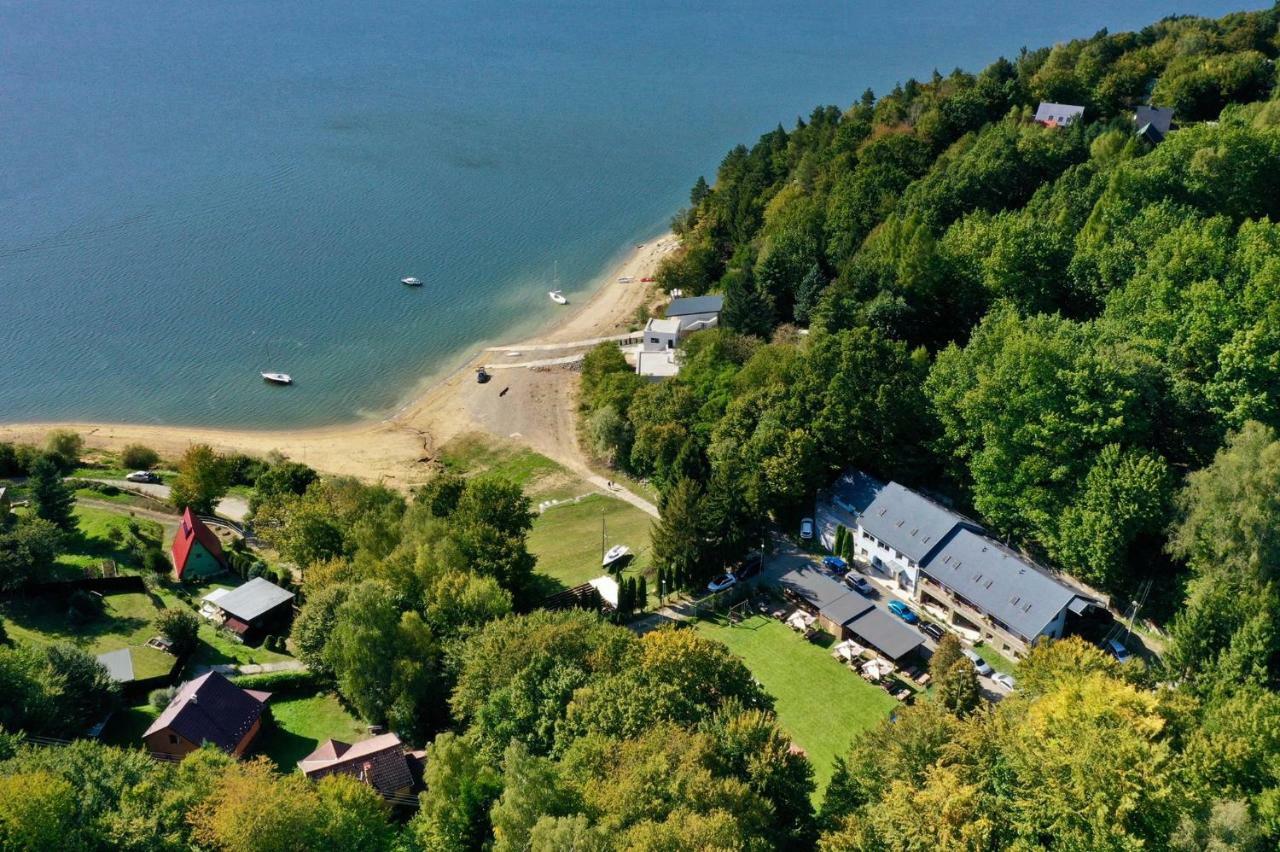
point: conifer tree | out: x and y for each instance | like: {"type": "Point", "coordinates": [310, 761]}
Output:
{"type": "Point", "coordinates": [50, 497]}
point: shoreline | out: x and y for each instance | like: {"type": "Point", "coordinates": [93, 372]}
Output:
{"type": "Point", "coordinates": [534, 406]}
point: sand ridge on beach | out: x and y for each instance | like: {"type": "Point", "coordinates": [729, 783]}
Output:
{"type": "Point", "coordinates": [537, 409]}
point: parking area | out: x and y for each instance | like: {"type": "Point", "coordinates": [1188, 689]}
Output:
{"type": "Point", "coordinates": [787, 557]}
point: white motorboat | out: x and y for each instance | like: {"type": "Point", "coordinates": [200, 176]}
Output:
{"type": "Point", "coordinates": [613, 554]}
{"type": "Point", "coordinates": [411, 281]}
{"type": "Point", "coordinates": [278, 378]}
{"type": "Point", "coordinates": [557, 297]}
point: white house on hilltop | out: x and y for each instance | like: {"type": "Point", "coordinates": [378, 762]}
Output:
{"type": "Point", "coordinates": [657, 356]}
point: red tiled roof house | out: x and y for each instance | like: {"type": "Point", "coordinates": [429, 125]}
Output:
{"type": "Point", "coordinates": [209, 709]}
{"type": "Point", "coordinates": [380, 762]}
{"type": "Point", "coordinates": [196, 550]}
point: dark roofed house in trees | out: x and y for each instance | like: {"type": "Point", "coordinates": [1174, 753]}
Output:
{"type": "Point", "coordinates": [196, 550]}
{"type": "Point", "coordinates": [209, 709]}
{"type": "Point", "coordinates": [256, 609]}
{"type": "Point", "coordinates": [381, 762]}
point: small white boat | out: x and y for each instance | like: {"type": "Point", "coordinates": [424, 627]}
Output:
{"type": "Point", "coordinates": [278, 378]}
{"type": "Point", "coordinates": [411, 281]}
{"type": "Point", "coordinates": [618, 551]}
{"type": "Point", "coordinates": [626, 279]}
{"type": "Point", "coordinates": [558, 297]}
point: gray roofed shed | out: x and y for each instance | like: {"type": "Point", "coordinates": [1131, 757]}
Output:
{"type": "Point", "coordinates": [854, 491]}
{"type": "Point", "coordinates": [887, 634]}
{"type": "Point", "coordinates": [910, 523]}
{"type": "Point", "coordinates": [1059, 114]}
{"type": "Point", "coordinates": [119, 664]}
{"type": "Point", "coordinates": [695, 305]}
{"type": "Point", "coordinates": [847, 607]}
{"type": "Point", "coordinates": [999, 582]}
{"type": "Point", "coordinates": [254, 599]}
{"type": "Point", "coordinates": [1159, 118]}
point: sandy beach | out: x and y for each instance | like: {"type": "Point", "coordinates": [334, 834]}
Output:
{"type": "Point", "coordinates": [537, 407]}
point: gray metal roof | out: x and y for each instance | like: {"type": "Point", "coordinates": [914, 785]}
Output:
{"type": "Point", "coordinates": [254, 598]}
{"type": "Point", "coordinates": [910, 523]}
{"type": "Point", "coordinates": [847, 607]}
{"type": "Point", "coordinates": [695, 305]}
{"type": "Point", "coordinates": [999, 582]}
{"type": "Point", "coordinates": [1058, 113]}
{"type": "Point", "coordinates": [1161, 118]}
{"type": "Point", "coordinates": [814, 585]}
{"type": "Point", "coordinates": [119, 664]}
{"type": "Point", "coordinates": [886, 633]}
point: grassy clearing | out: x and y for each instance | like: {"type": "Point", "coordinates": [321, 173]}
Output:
{"type": "Point", "coordinates": [126, 620]}
{"type": "Point", "coordinates": [300, 723]}
{"type": "Point", "coordinates": [541, 478]}
{"type": "Point", "coordinates": [101, 535]}
{"type": "Point", "coordinates": [128, 724]}
{"type": "Point", "coordinates": [821, 704]}
{"type": "Point", "coordinates": [566, 538]}
{"type": "Point", "coordinates": [149, 662]}
{"type": "Point", "coordinates": [997, 661]}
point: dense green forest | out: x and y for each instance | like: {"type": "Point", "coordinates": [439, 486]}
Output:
{"type": "Point", "coordinates": [1071, 332]}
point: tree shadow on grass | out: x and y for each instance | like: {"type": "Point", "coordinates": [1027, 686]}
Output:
{"type": "Point", "coordinates": [543, 586]}
{"type": "Point", "coordinates": [285, 748]}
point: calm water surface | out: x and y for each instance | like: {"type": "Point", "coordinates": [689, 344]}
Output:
{"type": "Point", "coordinates": [193, 192]}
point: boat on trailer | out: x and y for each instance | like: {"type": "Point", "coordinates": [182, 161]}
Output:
{"type": "Point", "coordinates": [613, 554]}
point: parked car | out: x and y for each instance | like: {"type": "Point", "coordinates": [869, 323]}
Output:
{"type": "Point", "coordinates": [750, 567]}
{"type": "Point", "coordinates": [719, 584]}
{"type": "Point", "coordinates": [933, 631]}
{"type": "Point", "coordinates": [806, 529]}
{"type": "Point", "coordinates": [835, 563]}
{"type": "Point", "coordinates": [983, 667]}
{"type": "Point", "coordinates": [903, 611]}
{"type": "Point", "coordinates": [1005, 680]}
{"type": "Point", "coordinates": [143, 476]}
{"type": "Point", "coordinates": [859, 584]}
{"type": "Point", "coordinates": [1118, 650]}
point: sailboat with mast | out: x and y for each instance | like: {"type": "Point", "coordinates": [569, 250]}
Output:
{"type": "Point", "coordinates": [614, 556]}
{"type": "Point", "coordinates": [556, 294]}
{"type": "Point", "coordinates": [275, 378]}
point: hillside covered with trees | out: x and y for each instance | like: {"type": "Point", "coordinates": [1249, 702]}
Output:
{"type": "Point", "coordinates": [1071, 333]}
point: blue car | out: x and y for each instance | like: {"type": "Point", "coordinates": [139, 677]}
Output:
{"type": "Point", "coordinates": [904, 612]}
{"type": "Point", "coordinates": [835, 563]}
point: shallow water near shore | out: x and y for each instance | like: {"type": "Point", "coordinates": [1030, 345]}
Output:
{"type": "Point", "coordinates": [192, 193]}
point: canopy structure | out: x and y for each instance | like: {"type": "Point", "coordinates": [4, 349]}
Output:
{"type": "Point", "coordinates": [800, 620]}
{"type": "Point", "coordinates": [848, 651]}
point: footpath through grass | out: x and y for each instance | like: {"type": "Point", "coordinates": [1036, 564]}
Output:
{"type": "Point", "coordinates": [820, 703]}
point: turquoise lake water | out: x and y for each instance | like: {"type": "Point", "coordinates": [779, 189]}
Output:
{"type": "Point", "coordinates": [193, 192]}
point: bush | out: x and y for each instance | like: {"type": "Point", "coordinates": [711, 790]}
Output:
{"type": "Point", "coordinates": [296, 680]}
{"type": "Point", "coordinates": [160, 698]}
{"type": "Point", "coordinates": [154, 561]}
{"type": "Point", "coordinates": [257, 569]}
{"type": "Point", "coordinates": [139, 457]}
{"type": "Point", "coordinates": [65, 446]}
{"type": "Point", "coordinates": [179, 626]}
{"type": "Point", "coordinates": [83, 607]}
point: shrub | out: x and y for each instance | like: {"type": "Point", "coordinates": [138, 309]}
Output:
{"type": "Point", "coordinates": [154, 561]}
{"type": "Point", "coordinates": [257, 569]}
{"type": "Point", "coordinates": [83, 606]}
{"type": "Point", "coordinates": [294, 680]}
{"type": "Point", "coordinates": [160, 698]}
{"type": "Point", "coordinates": [139, 457]}
{"type": "Point", "coordinates": [65, 446]}
{"type": "Point", "coordinates": [180, 627]}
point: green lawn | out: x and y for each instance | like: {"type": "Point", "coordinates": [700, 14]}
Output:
{"type": "Point", "coordinates": [301, 722]}
{"type": "Point", "coordinates": [540, 477]}
{"type": "Point", "coordinates": [94, 542]}
{"type": "Point", "coordinates": [126, 620]}
{"type": "Point", "coordinates": [150, 662]}
{"type": "Point", "coordinates": [566, 538]}
{"type": "Point", "coordinates": [821, 704]}
{"type": "Point", "coordinates": [998, 661]}
{"type": "Point", "coordinates": [128, 724]}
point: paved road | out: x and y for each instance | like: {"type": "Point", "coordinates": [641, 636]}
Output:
{"type": "Point", "coordinates": [232, 508]}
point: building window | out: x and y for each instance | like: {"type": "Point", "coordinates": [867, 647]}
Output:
{"type": "Point", "coordinates": [173, 739]}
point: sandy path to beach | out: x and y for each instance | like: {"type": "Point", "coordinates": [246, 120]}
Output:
{"type": "Point", "coordinates": [537, 409]}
